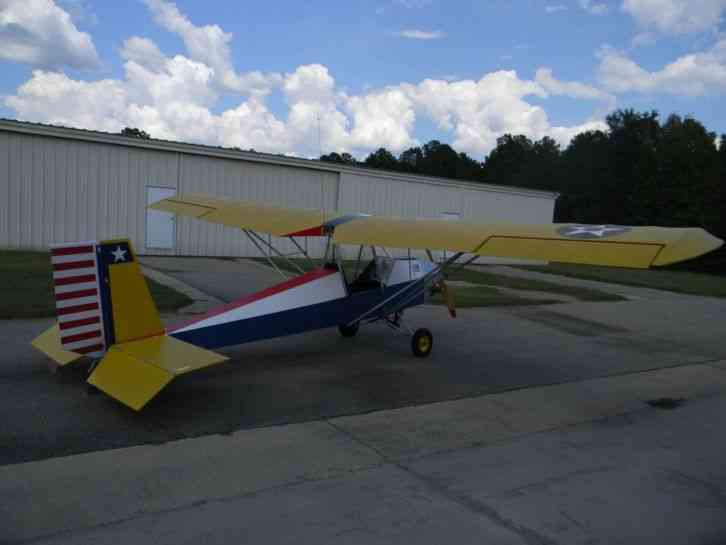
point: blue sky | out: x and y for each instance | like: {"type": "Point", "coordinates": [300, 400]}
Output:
{"type": "Point", "coordinates": [393, 73]}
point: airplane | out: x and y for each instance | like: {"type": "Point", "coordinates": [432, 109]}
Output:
{"type": "Point", "coordinates": [106, 313]}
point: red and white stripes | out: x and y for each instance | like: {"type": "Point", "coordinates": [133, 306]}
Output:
{"type": "Point", "coordinates": [78, 303]}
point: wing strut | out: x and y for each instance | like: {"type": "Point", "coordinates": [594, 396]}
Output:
{"type": "Point", "coordinates": [264, 253]}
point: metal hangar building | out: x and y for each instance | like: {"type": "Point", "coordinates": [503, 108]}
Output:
{"type": "Point", "coordinates": [62, 185]}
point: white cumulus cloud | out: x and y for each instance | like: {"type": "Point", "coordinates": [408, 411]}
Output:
{"type": "Point", "coordinates": [143, 52]}
{"type": "Point", "coordinates": [53, 97]}
{"type": "Point", "coordinates": [479, 111]}
{"type": "Point", "coordinates": [572, 89]}
{"type": "Point", "coordinates": [210, 44]}
{"type": "Point", "coordinates": [177, 98]}
{"type": "Point", "coordinates": [40, 33]}
{"type": "Point", "coordinates": [413, 34]}
{"type": "Point", "coordinates": [594, 8]}
{"type": "Point", "coordinates": [382, 119]}
{"type": "Point", "coordinates": [695, 74]}
{"type": "Point", "coordinates": [676, 16]}
{"type": "Point", "coordinates": [314, 119]}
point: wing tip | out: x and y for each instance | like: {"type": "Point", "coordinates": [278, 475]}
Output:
{"type": "Point", "coordinates": [693, 243]}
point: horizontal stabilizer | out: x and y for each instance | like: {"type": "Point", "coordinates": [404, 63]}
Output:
{"type": "Point", "coordinates": [49, 342]}
{"type": "Point", "coordinates": [134, 372]}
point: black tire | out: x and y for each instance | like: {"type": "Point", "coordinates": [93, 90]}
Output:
{"type": "Point", "coordinates": [348, 330]}
{"type": "Point", "coordinates": [422, 343]}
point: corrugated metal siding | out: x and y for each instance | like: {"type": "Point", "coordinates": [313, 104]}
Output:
{"type": "Point", "coordinates": [63, 190]}
{"type": "Point", "coordinates": [383, 196]}
{"type": "Point", "coordinates": [243, 180]}
{"type": "Point", "coordinates": [394, 198]}
{"type": "Point", "coordinates": [56, 189]}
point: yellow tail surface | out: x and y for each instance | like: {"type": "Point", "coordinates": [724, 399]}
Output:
{"type": "Point", "coordinates": [133, 310]}
{"type": "Point", "coordinates": [105, 311]}
{"type": "Point", "coordinates": [134, 372]}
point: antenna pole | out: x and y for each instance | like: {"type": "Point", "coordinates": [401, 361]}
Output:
{"type": "Point", "coordinates": [322, 178]}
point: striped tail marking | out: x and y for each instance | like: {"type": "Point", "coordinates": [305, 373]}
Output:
{"type": "Point", "coordinates": [77, 297]}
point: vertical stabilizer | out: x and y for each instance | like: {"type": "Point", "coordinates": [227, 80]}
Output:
{"type": "Point", "coordinates": [101, 297]}
{"type": "Point", "coordinates": [129, 311]}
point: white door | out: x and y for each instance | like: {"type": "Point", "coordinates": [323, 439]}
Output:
{"type": "Point", "coordinates": [160, 226]}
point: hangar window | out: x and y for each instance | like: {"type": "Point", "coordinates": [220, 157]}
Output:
{"type": "Point", "coordinates": [160, 226]}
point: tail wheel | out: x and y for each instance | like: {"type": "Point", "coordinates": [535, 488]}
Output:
{"type": "Point", "coordinates": [348, 330]}
{"type": "Point", "coordinates": [422, 343]}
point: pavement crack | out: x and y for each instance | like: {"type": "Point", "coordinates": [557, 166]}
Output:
{"type": "Point", "coordinates": [476, 507]}
{"type": "Point", "coordinates": [718, 494]}
{"type": "Point", "coordinates": [358, 440]}
{"type": "Point", "coordinates": [561, 478]}
{"type": "Point", "coordinates": [479, 508]}
{"type": "Point", "coordinates": [192, 504]}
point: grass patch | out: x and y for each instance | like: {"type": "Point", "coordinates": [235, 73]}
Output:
{"type": "Point", "coordinates": [167, 299]}
{"type": "Point", "coordinates": [525, 284]}
{"type": "Point", "coordinates": [484, 296]}
{"type": "Point", "coordinates": [26, 287]}
{"type": "Point", "coordinates": [687, 282]}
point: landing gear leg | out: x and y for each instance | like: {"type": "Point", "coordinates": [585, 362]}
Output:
{"type": "Point", "coordinates": [422, 341]}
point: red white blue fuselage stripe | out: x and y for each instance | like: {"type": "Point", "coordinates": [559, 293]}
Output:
{"type": "Point", "coordinates": [314, 287]}
{"type": "Point", "coordinates": [314, 300]}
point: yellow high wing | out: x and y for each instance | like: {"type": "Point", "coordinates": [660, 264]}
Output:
{"type": "Point", "coordinates": [619, 246]}
{"type": "Point", "coordinates": [256, 216]}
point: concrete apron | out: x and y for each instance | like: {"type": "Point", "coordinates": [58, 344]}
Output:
{"type": "Point", "coordinates": [391, 462]}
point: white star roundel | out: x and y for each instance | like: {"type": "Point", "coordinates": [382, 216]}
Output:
{"type": "Point", "coordinates": [592, 231]}
{"type": "Point", "coordinates": [119, 254]}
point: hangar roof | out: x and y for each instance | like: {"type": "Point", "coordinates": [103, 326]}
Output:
{"type": "Point", "coordinates": [55, 131]}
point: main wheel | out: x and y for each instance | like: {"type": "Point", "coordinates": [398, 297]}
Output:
{"type": "Point", "coordinates": [348, 330]}
{"type": "Point", "coordinates": [422, 342]}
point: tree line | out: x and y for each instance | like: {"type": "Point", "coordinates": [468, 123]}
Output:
{"type": "Point", "coordinates": [641, 171]}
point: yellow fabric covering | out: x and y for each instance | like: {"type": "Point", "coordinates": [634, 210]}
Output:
{"type": "Point", "coordinates": [49, 343]}
{"type": "Point", "coordinates": [134, 372]}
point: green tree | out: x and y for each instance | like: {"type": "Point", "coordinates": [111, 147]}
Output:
{"type": "Point", "coordinates": [585, 174]}
{"type": "Point", "coordinates": [382, 158]}
{"type": "Point", "coordinates": [721, 192]}
{"type": "Point", "coordinates": [411, 160]}
{"type": "Point", "coordinates": [439, 160]}
{"type": "Point", "coordinates": [543, 169]}
{"type": "Point", "coordinates": [135, 133]}
{"type": "Point", "coordinates": [630, 193]}
{"type": "Point", "coordinates": [344, 158]}
{"type": "Point", "coordinates": [687, 177]}
{"type": "Point", "coordinates": [507, 164]}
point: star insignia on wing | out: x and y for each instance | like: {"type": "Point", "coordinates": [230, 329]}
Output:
{"type": "Point", "coordinates": [119, 254]}
{"type": "Point", "coordinates": [592, 231]}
